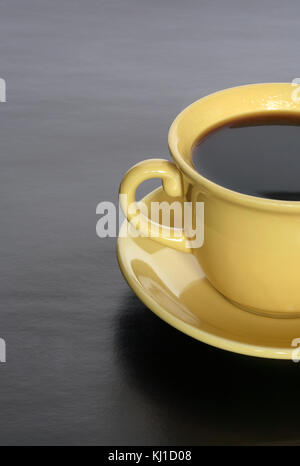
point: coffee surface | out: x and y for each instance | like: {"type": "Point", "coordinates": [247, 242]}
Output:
{"type": "Point", "coordinates": [256, 156]}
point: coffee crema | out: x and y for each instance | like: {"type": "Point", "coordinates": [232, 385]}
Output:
{"type": "Point", "coordinates": [258, 156]}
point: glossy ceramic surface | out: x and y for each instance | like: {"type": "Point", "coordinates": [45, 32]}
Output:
{"type": "Point", "coordinates": [173, 285]}
{"type": "Point", "coordinates": [251, 250]}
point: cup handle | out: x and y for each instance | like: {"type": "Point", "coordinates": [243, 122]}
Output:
{"type": "Point", "coordinates": [172, 184]}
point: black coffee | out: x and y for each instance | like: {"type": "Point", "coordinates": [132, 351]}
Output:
{"type": "Point", "coordinates": [256, 156]}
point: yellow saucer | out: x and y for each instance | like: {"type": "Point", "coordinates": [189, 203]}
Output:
{"type": "Point", "coordinates": [173, 286]}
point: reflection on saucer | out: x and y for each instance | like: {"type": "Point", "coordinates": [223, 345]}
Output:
{"type": "Point", "coordinates": [172, 285]}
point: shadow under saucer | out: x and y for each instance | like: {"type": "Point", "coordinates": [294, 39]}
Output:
{"type": "Point", "coordinates": [202, 394]}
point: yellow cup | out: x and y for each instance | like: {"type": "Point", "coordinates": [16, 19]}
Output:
{"type": "Point", "coordinates": [251, 248]}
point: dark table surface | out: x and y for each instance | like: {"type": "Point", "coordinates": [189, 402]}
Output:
{"type": "Point", "coordinates": [92, 89]}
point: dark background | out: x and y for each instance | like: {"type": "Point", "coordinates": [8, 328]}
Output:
{"type": "Point", "coordinates": [92, 88]}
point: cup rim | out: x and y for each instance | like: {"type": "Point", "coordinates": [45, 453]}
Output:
{"type": "Point", "coordinates": [218, 190]}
